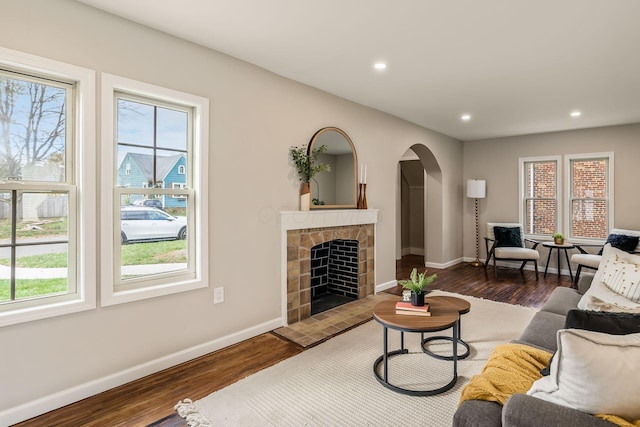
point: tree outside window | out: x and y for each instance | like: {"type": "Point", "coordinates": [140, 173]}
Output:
{"type": "Point", "coordinates": [35, 188]}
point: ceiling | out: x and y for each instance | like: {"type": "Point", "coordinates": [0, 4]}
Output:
{"type": "Point", "coordinates": [515, 66]}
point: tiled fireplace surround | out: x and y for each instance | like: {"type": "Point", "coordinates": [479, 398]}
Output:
{"type": "Point", "coordinates": [303, 230]}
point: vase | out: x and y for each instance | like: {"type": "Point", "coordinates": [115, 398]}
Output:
{"type": "Point", "coordinates": [305, 196]}
{"type": "Point", "coordinates": [417, 299]}
{"type": "Point", "coordinates": [558, 240]}
{"type": "Point", "coordinates": [362, 197]}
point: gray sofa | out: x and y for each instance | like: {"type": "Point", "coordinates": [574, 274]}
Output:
{"type": "Point", "coordinates": [522, 410]}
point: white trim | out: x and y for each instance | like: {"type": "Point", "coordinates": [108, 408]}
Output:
{"type": "Point", "coordinates": [65, 397]}
{"type": "Point", "coordinates": [384, 286]}
{"type": "Point", "coordinates": [85, 179]}
{"type": "Point", "coordinates": [199, 216]}
{"type": "Point", "coordinates": [443, 265]}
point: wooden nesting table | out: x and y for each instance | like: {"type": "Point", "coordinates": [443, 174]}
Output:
{"type": "Point", "coordinates": [445, 314]}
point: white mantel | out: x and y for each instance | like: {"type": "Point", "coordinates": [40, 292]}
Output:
{"type": "Point", "coordinates": [297, 220]}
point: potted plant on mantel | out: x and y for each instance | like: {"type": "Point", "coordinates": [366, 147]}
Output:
{"type": "Point", "coordinates": [307, 168]}
{"type": "Point", "coordinates": [416, 284]}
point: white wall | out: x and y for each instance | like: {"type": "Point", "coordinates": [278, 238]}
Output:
{"type": "Point", "coordinates": [255, 117]}
{"type": "Point", "coordinates": [496, 161]}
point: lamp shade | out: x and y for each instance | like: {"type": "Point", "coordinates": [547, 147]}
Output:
{"type": "Point", "coordinates": [476, 188]}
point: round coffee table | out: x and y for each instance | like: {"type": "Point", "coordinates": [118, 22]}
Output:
{"type": "Point", "coordinates": [445, 314]}
{"type": "Point", "coordinates": [463, 307]}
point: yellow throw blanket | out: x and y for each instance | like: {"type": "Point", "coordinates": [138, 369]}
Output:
{"type": "Point", "coordinates": [513, 368]}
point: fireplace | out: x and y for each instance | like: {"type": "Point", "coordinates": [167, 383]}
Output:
{"type": "Point", "coordinates": [334, 274]}
{"type": "Point", "coordinates": [301, 232]}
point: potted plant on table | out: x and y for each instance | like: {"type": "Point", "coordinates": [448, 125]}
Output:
{"type": "Point", "coordinates": [307, 168]}
{"type": "Point", "coordinates": [558, 238]}
{"type": "Point", "coordinates": [416, 284]}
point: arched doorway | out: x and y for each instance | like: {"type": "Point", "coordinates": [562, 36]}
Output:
{"type": "Point", "coordinates": [419, 208]}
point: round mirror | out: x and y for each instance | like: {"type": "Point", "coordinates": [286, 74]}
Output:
{"type": "Point", "coordinates": [338, 187]}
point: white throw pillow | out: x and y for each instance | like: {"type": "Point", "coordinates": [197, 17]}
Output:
{"type": "Point", "coordinates": [599, 297]}
{"type": "Point", "coordinates": [622, 277]}
{"type": "Point", "coordinates": [594, 373]}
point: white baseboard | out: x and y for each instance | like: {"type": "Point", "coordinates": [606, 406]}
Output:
{"type": "Point", "coordinates": [384, 286]}
{"type": "Point", "coordinates": [82, 391]}
{"type": "Point", "coordinates": [444, 264]}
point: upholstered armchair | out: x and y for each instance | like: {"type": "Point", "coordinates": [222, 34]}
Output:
{"type": "Point", "coordinates": [505, 241]}
{"type": "Point", "coordinates": [624, 240]}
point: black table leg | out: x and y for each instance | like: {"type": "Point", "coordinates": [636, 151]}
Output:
{"type": "Point", "coordinates": [384, 359]}
{"type": "Point", "coordinates": [458, 334]}
{"type": "Point", "coordinates": [566, 254]}
{"type": "Point", "coordinates": [546, 267]}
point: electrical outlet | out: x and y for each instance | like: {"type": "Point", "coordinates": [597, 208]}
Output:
{"type": "Point", "coordinates": [218, 295]}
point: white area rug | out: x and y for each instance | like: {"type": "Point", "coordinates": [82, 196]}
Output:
{"type": "Point", "coordinates": [333, 384]}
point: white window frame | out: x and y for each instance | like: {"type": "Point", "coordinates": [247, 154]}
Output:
{"type": "Point", "coordinates": [181, 170]}
{"type": "Point", "coordinates": [522, 184]}
{"type": "Point", "coordinates": [155, 287]}
{"type": "Point", "coordinates": [568, 158]}
{"type": "Point", "coordinates": [563, 186]}
{"type": "Point", "coordinates": [82, 200]}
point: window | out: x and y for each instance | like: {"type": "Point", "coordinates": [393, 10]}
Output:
{"type": "Point", "coordinates": [585, 214]}
{"type": "Point", "coordinates": [128, 169]}
{"type": "Point", "coordinates": [46, 232]}
{"type": "Point", "coordinates": [156, 131]}
{"type": "Point", "coordinates": [178, 185]}
{"type": "Point", "coordinates": [540, 195]}
{"type": "Point", "coordinates": [589, 194]}
{"type": "Point", "coordinates": [181, 170]}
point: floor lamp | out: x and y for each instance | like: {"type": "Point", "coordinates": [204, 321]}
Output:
{"type": "Point", "coordinates": [476, 190]}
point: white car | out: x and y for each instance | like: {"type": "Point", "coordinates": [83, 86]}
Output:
{"type": "Point", "coordinates": [139, 223]}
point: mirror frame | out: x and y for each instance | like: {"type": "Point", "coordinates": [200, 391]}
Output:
{"type": "Point", "coordinates": [310, 147]}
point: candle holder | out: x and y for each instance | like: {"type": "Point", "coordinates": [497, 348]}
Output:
{"type": "Point", "coordinates": [362, 197]}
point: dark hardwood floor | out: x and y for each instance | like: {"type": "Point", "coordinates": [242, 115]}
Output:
{"type": "Point", "coordinates": [150, 400]}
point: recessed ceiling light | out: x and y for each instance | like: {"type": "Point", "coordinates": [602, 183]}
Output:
{"type": "Point", "coordinates": [380, 66]}
{"type": "Point", "coordinates": [465, 117]}
{"type": "Point", "coordinates": [576, 114]}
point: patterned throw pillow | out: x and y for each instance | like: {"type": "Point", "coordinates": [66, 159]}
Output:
{"type": "Point", "coordinates": [622, 277]}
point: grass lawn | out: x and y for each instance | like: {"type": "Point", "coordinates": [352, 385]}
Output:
{"type": "Point", "coordinates": [168, 252]}
{"type": "Point", "coordinates": [173, 251]}
{"type": "Point", "coordinates": [29, 288]}
{"type": "Point", "coordinates": [49, 228]}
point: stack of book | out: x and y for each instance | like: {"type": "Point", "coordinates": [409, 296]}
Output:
{"type": "Point", "coordinates": [405, 308]}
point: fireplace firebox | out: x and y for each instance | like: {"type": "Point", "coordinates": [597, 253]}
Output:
{"type": "Point", "coordinates": [299, 244]}
{"type": "Point", "coordinates": [334, 274]}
